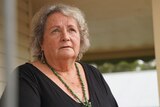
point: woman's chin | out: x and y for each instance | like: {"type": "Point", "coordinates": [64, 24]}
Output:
{"type": "Point", "coordinates": [67, 55]}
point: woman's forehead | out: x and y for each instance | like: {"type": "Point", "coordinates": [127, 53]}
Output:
{"type": "Point", "coordinates": [58, 19]}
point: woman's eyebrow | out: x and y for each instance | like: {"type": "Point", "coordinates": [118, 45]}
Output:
{"type": "Point", "coordinates": [54, 26]}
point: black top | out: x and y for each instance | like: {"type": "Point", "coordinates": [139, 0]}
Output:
{"type": "Point", "coordinates": [37, 90]}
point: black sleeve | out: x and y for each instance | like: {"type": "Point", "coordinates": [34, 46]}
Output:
{"type": "Point", "coordinates": [104, 86]}
{"type": "Point", "coordinates": [29, 95]}
{"type": "Point", "coordinates": [107, 88]}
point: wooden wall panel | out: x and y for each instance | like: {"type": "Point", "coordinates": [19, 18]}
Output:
{"type": "Point", "coordinates": [2, 60]}
{"type": "Point", "coordinates": [22, 43]}
{"type": "Point", "coordinates": [1, 88]}
{"type": "Point", "coordinates": [2, 76]}
{"type": "Point", "coordinates": [23, 31]}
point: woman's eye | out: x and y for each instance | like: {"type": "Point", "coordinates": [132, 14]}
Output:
{"type": "Point", "coordinates": [55, 30]}
{"type": "Point", "coordinates": [72, 30]}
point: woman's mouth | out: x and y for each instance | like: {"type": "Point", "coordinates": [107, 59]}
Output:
{"type": "Point", "coordinates": [63, 47]}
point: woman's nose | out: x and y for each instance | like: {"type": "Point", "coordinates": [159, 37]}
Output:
{"type": "Point", "coordinates": [65, 36]}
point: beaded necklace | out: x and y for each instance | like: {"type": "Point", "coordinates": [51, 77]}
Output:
{"type": "Point", "coordinates": [86, 103]}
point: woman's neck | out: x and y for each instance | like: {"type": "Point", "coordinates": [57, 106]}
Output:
{"type": "Point", "coordinates": [62, 65]}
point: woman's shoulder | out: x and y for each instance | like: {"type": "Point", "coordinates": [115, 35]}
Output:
{"type": "Point", "coordinates": [91, 69]}
{"type": "Point", "coordinates": [26, 70]}
{"type": "Point", "coordinates": [25, 67]}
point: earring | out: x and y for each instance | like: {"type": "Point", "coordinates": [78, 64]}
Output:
{"type": "Point", "coordinates": [42, 59]}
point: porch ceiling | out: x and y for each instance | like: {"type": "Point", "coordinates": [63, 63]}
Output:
{"type": "Point", "coordinates": [114, 25]}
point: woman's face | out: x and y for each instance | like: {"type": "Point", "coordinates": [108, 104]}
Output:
{"type": "Point", "coordinates": [61, 37]}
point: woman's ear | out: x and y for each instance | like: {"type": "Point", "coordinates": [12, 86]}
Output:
{"type": "Point", "coordinates": [41, 45]}
{"type": "Point", "coordinates": [42, 58]}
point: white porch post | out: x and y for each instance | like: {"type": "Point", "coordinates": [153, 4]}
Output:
{"type": "Point", "coordinates": [156, 26]}
{"type": "Point", "coordinates": [10, 32]}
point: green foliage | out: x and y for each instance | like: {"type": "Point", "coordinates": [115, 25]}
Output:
{"type": "Point", "coordinates": [122, 66]}
{"type": "Point", "coordinates": [106, 67]}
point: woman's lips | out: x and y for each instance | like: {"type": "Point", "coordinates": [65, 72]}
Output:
{"type": "Point", "coordinates": [65, 47]}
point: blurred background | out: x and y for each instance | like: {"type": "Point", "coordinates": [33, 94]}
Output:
{"type": "Point", "coordinates": [122, 36]}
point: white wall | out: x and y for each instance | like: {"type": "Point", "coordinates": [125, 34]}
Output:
{"type": "Point", "coordinates": [134, 89]}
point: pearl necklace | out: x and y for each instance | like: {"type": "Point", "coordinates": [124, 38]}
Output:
{"type": "Point", "coordinates": [86, 103]}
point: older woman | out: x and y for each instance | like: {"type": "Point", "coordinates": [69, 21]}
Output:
{"type": "Point", "coordinates": [56, 77]}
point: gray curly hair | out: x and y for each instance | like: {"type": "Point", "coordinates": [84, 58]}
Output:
{"type": "Point", "coordinates": [38, 24]}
